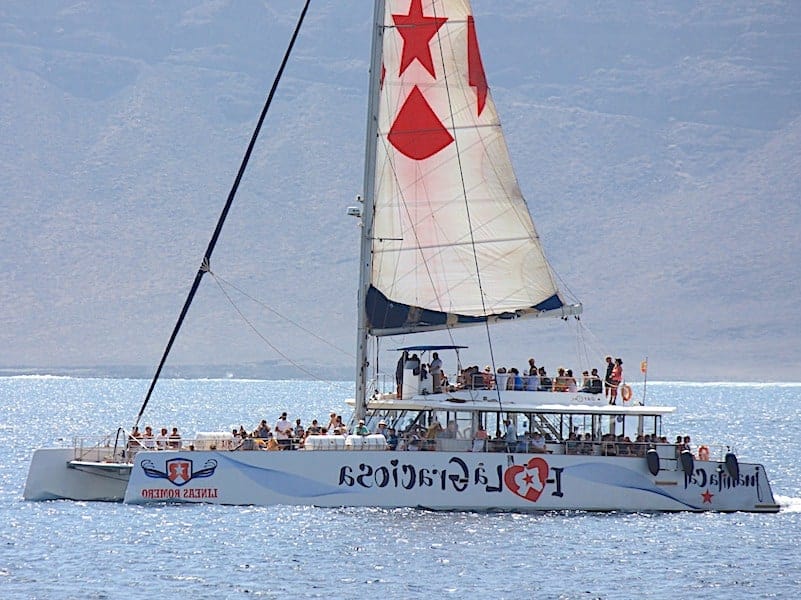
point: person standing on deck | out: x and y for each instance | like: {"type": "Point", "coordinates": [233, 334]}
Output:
{"type": "Point", "coordinates": [608, 377]}
{"type": "Point", "coordinates": [399, 372]}
{"type": "Point", "coordinates": [511, 436]}
{"type": "Point", "coordinates": [436, 372]}
{"type": "Point", "coordinates": [616, 379]}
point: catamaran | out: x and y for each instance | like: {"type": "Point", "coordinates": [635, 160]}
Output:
{"type": "Point", "coordinates": [447, 242]}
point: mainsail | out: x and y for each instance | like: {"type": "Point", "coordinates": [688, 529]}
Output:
{"type": "Point", "coordinates": [452, 239]}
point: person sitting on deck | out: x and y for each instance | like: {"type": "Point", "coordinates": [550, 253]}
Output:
{"type": "Point", "coordinates": [362, 428]}
{"type": "Point", "coordinates": [572, 443]}
{"type": "Point", "coordinates": [571, 381]}
{"type": "Point", "coordinates": [546, 385]}
{"type": "Point", "coordinates": [560, 381]}
{"type": "Point", "coordinates": [538, 443]}
{"type": "Point", "coordinates": [392, 439]}
{"type": "Point", "coordinates": [480, 440]}
{"type": "Point", "coordinates": [162, 438]}
{"type": "Point", "coordinates": [596, 385]}
{"type": "Point", "coordinates": [174, 441]}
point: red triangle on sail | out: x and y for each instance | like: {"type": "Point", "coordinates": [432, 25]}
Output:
{"type": "Point", "coordinates": [417, 132]}
{"type": "Point", "coordinates": [475, 68]}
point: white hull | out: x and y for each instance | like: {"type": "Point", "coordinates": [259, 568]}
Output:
{"type": "Point", "coordinates": [433, 480]}
{"type": "Point", "coordinates": [54, 475]}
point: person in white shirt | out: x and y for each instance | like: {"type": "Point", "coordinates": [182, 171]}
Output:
{"type": "Point", "coordinates": [162, 438]}
{"type": "Point", "coordinates": [282, 429]}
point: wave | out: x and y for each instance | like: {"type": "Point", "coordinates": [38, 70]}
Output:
{"type": "Point", "coordinates": [788, 503]}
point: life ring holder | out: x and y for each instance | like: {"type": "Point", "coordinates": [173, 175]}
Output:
{"type": "Point", "coordinates": [703, 452]}
{"type": "Point", "coordinates": [625, 392]}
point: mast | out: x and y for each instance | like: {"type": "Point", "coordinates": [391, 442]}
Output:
{"type": "Point", "coordinates": [366, 251]}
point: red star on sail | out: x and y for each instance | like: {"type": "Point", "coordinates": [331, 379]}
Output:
{"type": "Point", "coordinates": [707, 497]}
{"type": "Point", "coordinates": [417, 31]}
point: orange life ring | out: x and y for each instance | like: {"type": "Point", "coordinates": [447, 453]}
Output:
{"type": "Point", "coordinates": [703, 453]}
{"type": "Point", "coordinates": [625, 392]}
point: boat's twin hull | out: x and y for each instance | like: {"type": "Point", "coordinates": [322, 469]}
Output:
{"type": "Point", "coordinates": [436, 480]}
{"type": "Point", "coordinates": [54, 474]}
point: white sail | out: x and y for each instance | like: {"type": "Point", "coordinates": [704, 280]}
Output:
{"type": "Point", "coordinates": [453, 242]}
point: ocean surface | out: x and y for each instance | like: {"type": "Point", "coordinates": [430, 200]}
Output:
{"type": "Point", "coordinates": [64, 549]}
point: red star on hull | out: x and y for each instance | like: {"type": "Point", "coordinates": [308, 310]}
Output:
{"type": "Point", "coordinates": [707, 497]}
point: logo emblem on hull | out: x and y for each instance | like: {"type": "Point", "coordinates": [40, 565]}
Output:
{"type": "Point", "coordinates": [178, 471]}
{"type": "Point", "coordinates": [528, 480]}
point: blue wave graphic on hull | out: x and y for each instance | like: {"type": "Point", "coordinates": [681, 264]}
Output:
{"type": "Point", "coordinates": [620, 477]}
{"type": "Point", "coordinates": [283, 483]}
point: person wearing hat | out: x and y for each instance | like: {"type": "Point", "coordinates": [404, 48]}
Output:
{"type": "Point", "coordinates": [362, 428]}
{"type": "Point", "coordinates": [382, 428]}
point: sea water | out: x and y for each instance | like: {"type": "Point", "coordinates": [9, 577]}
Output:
{"type": "Point", "coordinates": [63, 549]}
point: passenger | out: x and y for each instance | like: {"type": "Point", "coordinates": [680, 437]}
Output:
{"type": "Point", "coordinates": [608, 377]}
{"type": "Point", "coordinates": [501, 376]}
{"type": "Point", "coordinates": [533, 379]}
{"type": "Point", "coordinates": [247, 443]}
{"type": "Point", "coordinates": [480, 440]}
{"type": "Point", "coordinates": [476, 378]}
{"type": "Point", "coordinates": [283, 431]}
{"type": "Point", "coordinates": [560, 381]}
{"type": "Point", "coordinates": [362, 428]}
{"type": "Point", "coordinates": [585, 382]}
{"type": "Point", "coordinates": [332, 422]}
{"type": "Point", "coordinates": [586, 446]}
{"type": "Point", "coordinates": [399, 372]}
{"type": "Point", "coordinates": [686, 443]}
{"type": "Point", "coordinates": [571, 381]}
{"type": "Point", "coordinates": [436, 373]}
{"type": "Point", "coordinates": [300, 434]}
{"type": "Point", "coordinates": [679, 443]}
{"type": "Point", "coordinates": [546, 385]}
{"type": "Point", "coordinates": [572, 444]}
{"type": "Point", "coordinates": [135, 439]}
{"type": "Point", "coordinates": [487, 378]}
{"type": "Point", "coordinates": [451, 430]}
{"type": "Point", "coordinates": [174, 439]}
{"type": "Point", "coordinates": [596, 385]}
{"type": "Point", "coordinates": [392, 439]}
{"type": "Point", "coordinates": [382, 428]}
{"type": "Point", "coordinates": [510, 437]}
{"type": "Point", "coordinates": [314, 428]}
{"type": "Point", "coordinates": [538, 443]}
{"type": "Point", "coordinates": [263, 431]}
{"type": "Point", "coordinates": [516, 380]}
{"type": "Point", "coordinates": [617, 377]}
{"type": "Point", "coordinates": [162, 438]}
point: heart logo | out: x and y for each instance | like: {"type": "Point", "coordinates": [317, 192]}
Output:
{"type": "Point", "coordinates": [527, 481]}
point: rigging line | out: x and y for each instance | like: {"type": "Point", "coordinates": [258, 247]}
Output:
{"type": "Point", "coordinates": [280, 316]}
{"type": "Point", "coordinates": [266, 341]}
{"type": "Point", "coordinates": [204, 266]}
{"type": "Point", "coordinates": [467, 208]}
